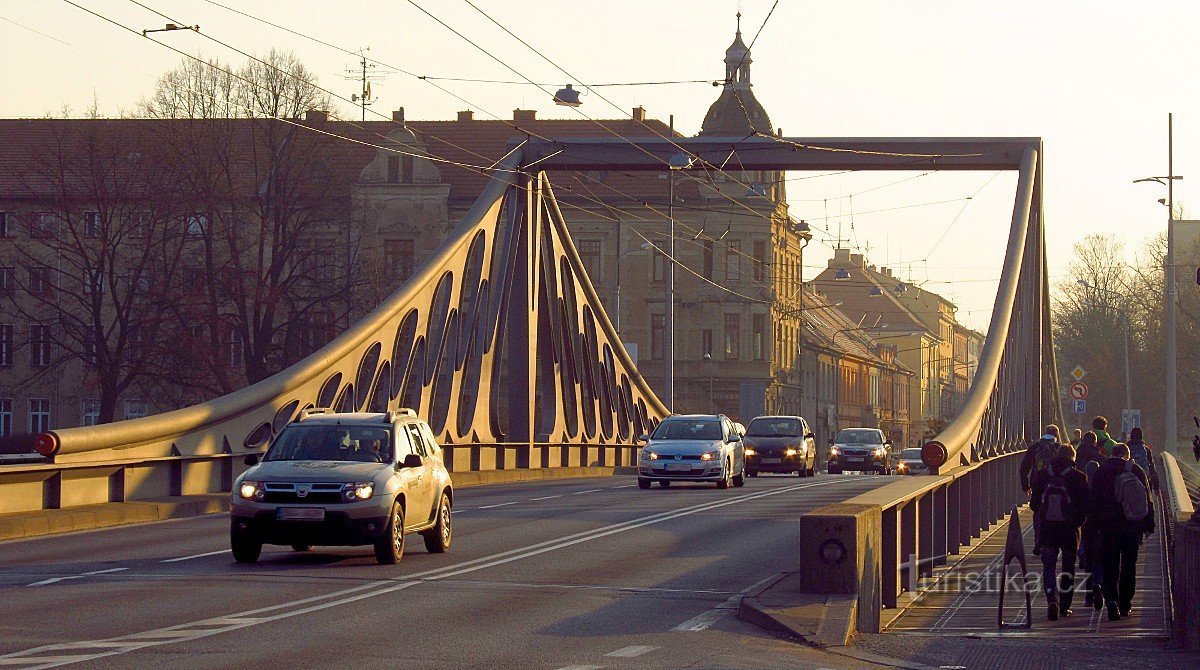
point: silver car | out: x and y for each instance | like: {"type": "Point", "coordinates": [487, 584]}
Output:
{"type": "Point", "coordinates": [344, 479]}
{"type": "Point", "coordinates": [911, 463]}
{"type": "Point", "coordinates": [693, 448]}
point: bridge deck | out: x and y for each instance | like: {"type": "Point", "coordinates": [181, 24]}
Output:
{"type": "Point", "coordinates": [962, 598]}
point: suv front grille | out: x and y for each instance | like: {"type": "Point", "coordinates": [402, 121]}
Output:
{"type": "Point", "coordinates": [318, 494]}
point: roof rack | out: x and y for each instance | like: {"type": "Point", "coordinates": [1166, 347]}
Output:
{"type": "Point", "coordinates": [394, 414]}
{"type": "Point", "coordinates": [311, 411]}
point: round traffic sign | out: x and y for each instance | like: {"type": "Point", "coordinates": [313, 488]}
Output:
{"type": "Point", "coordinates": [1079, 390]}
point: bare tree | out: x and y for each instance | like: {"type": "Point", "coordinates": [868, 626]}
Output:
{"type": "Point", "coordinates": [100, 258]}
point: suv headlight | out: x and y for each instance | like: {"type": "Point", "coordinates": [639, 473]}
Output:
{"type": "Point", "coordinates": [750, 451]}
{"type": "Point", "coordinates": [359, 491]}
{"type": "Point", "coordinates": [251, 490]}
{"type": "Point", "coordinates": [835, 451]}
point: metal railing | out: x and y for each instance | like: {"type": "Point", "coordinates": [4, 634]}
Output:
{"type": "Point", "coordinates": [1179, 486]}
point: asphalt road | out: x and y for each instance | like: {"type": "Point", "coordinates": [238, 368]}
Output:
{"type": "Point", "coordinates": [584, 573]}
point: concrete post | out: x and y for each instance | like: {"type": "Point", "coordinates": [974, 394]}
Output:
{"type": "Point", "coordinates": [940, 498]}
{"type": "Point", "coordinates": [841, 549]}
{"type": "Point", "coordinates": [909, 546]}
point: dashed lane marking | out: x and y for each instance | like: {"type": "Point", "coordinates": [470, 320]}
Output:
{"type": "Point", "coordinates": [504, 504]}
{"type": "Point", "coordinates": [82, 575]}
{"type": "Point", "coordinates": [579, 493]}
{"type": "Point", "coordinates": [549, 497]}
{"type": "Point", "coordinates": [631, 652]}
{"type": "Point", "coordinates": [188, 558]}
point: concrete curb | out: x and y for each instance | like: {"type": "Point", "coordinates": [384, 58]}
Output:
{"type": "Point", "coordinates": [817, 619]}
{"type": "Point", "coordinates": [25, 525]}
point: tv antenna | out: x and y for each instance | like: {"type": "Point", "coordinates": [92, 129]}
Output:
{"type": "Point", "coordinates": [366, 73]}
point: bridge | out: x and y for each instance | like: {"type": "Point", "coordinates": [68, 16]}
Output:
{"type": "Point", "coordinates": [502, 344]}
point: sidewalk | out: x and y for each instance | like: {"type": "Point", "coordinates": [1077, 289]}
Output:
{"type": "Point", "coordinates": [23, 525]}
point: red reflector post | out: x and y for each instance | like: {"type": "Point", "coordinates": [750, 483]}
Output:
{"type": "Point", "coordinates": [46, 444]}
{"type": "Point", "coordinates": [934, 454]}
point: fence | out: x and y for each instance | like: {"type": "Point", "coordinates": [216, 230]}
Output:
{"type": "Point", "coordinates": [1183, 543]}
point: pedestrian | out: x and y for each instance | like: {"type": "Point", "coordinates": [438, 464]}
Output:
{"type": "Point", "coordinates": [1196, 446]}
{"type": "Point", "coordinates": [1089, 459]}
{"type": "Point", "coordinates": [1100, 428]}
{"type": "Point", "coordinates": [1142, 454]}
{"type": "Point", "coordinates": [1089, 456]}
{"type": "Point", "coordinates": [1037, 458]}
{"type": "Point", "coordinates": [1123, 514]}
{"type": "Point", "coordinates": [1060, 498]}
{"type": "Point", "coordinates": [1077, 439]}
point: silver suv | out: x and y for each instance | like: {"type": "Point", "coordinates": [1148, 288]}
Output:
{"type": "Point", "coordinates": [344, 479]}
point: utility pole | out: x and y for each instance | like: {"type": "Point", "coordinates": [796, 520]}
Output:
{"type": "Point", "coordinates": [365, 74]}
{"type": "Point", "coordinates": [669, 305]}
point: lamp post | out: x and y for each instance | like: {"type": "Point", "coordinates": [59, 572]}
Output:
{"type": "Point", "coordinates": [837, 394]}
{"type": "Point", "coordinates": [1169, 291]}
{"type": "Point", "coordinates": [678, 161]}
{"type": "Point", "coordinates": [708, 359]}
{"type": "Point", "coordinates": [617, 305]}
{"type": "Point", "coordinates": [1125, 321]}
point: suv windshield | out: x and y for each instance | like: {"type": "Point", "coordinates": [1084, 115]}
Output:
{"type": "Point", "coordinates": [860, 436]}
{"type": "Point", "coordinates": [323, 442]}
{"type": "Point", "coordinates": [688, 429]}
{"type": "Point", "coordinates": [763, 427]}
{"type": "Point", "coordinates": [912, 453]}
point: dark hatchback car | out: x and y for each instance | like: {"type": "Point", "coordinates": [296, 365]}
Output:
{"type": "Point", "coordinates": [780, 444]}
{"type": "Point", "coordinates": [861, 449]}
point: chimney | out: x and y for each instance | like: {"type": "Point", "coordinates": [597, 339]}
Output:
{"type": "Point", "coordinates": [398, 115]}
{"type": "Point", "coordinates": [639, 113]}
{"type": "Point", "coordinates": [316, 116]}
{"type": "Point", "coordinates": [857, 260]}
{"type": "Point", "coordinates": [524, 115]}
{"type": "Point", "coordinates": [466, 115]}
{"type": "Point", "coordinates": [841, 256]}
{"type": "Point", "coordinates": [887, 272]}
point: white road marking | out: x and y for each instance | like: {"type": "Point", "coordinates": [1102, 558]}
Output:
{"type": "Point", "coordinates": [630, 652]}
{"type": "Point", "coordinates": [707, 619]}
{"type": "Point", "coordinates": [581, 667]}
{"type": "Point", "coordinates": [549, 497]}
{"type": "Point", "coordinates": [579, 493]}
{"type": "Point", "coordinates": [55, 580]}
{"type": "Point", "coordinates": [188, 558]}
{"type": "Point", "coordinates": [497, 505]}
{"type": "Point", "coordinates": [36, 659]}
{"type": "Point", "coordinates": [627, 486]}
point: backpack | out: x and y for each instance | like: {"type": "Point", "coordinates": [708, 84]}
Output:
{"type": "Point", "coordinates": [1140, 454]}
{"type": "Point", "coordinates": [1132, 494]}
{"type": "Point", "coordinates": [1056, 499]}
{"type": "Point", "coordinates": [1090, 469]}
{"type": "Point", "coordinates": [1043, 453]}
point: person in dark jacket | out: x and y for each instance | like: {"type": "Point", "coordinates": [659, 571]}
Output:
{"type": "Point", "coordinates": [1088, 451]}
{"type": "Point", "coordinates": [1136, 445]}
{"type": "Point", "coordinates": [1060, 498]}
{"type": "Point", "coordinates": [1037, 456]}
{"type": "Point", "coordinates": [1120, 538]}
{"type": "Point", "coordinates": [1088, 460]}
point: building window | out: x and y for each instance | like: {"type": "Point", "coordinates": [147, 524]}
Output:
{"type": "Point", "coordinates": [42, 225]}
{"type": "Point", "coordinates": [757, 335]}
{"type": "Point", "coordinates": [657, 336]}
{"type": "Point", "coordinates": [93, 282]}
{"type": "Point", "coordinates": [6, 426]}
{"type": "Point", "coordinates": [90, 348]}
{"type": "Point", "coordinates": [6, 344]}
{"type": "Point", "coordinates": [39, 415]}
{"type": "Point", "coordinates": [91, 224]}
{"type": "Point", "coordinates": [39, 345]}
{"type": "Point", "coordinates": [589, 253]}
{"type": "Point", "coordinates": [760, 261]}
{"type": "Point", "coordinates": [706, 342]}
{"type": "Point", "coordinates": [733, 336]}
{"type": "Point", "coordinates": [135, 409]}
{"type": "Point", "coordinates": [393, 169]}
{"type": "Point", "coordinates": [398, 259]}
{"type": "Point", "coordinates": [708, 259]}
{"type": "Point", "coordinates": [659, 269]}
{"type": "Point", "coordinates": [91, 413]}
{"type": "Point", "coordinates": [3, 224]}
{"type": "Point", "coordinates": [733, 260]}
{"type": "Point", "coordinates": [139, 224]}
{"type": "Point", "coordinates": [406, 169]}
{"type": "Point", "coordinates": [234, 357]}
{"type": "Point", "coordinates": [41, 280]}
{"type": "Point", "coordinates": [316, 331]}
{"type": "Point", "coordinates": [196, 225]}
{"type": "Point", "coordinates": [6, 281]}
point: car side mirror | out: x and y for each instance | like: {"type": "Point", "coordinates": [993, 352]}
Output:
{"type": "Point", "coordinates": [250, 459]}
{"type": "Point", "coordinates": [733, 438]}
{"type": "Point", "coordinates": [831, 442]}
{"type": "Point", "coordinates": [411, 461]}
{"type": "Point", "coordinates": [810, 436]}
{"type": "Point", "coordinates": [643, 438]}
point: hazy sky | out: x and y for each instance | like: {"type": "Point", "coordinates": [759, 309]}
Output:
{"type": "Point", "coordinates": [1094, 79]}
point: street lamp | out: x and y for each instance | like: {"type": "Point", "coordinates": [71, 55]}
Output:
{"type": "Point", "coordinates": [1172, 433]}
{"type": "Point", "coordinates": [169, 27]}
{"type": "Point", "coordinates": [642, 247]}
{"type": "Point", "coordinates": [1125, 319]}
{"type": "Point", "coordinates": [708, 359]}
{"type": "Point", "coordinates": [679, 161]}
{"type": "Point", "coordinates": [837, 396]}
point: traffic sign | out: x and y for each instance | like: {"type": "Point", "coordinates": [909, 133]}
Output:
{"type": "Point", "coordinates": [1130, 419]}
{"type": "Point", "coordinates": [1078, 373]}
{"type": "Point", "coordinates": [1080, 406]}
{"type": "Point", "coordinates": [1079, 391]}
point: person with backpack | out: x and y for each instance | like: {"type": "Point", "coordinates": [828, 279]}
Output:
{"type": "Point", "coordinates": [1103, 439]}
{"type": "Point", "coordinates": [1060, 498]}
{"type": "Point", "coordinates": [1089, 453]}
{"type": "Point", "coordinates": [1088, 460]}
{"type": "Point", "coordinates": [1143, 455]}
{"type": "Point", "coordinates": [1123, 514]}
{"type": "Point", "coordinates": [1038, 456]}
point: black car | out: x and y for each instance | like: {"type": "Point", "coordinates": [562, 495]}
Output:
{"type": "Point", "coordinates": [780, 444]}
{"type": "Point", "coordinates": [861, 449]}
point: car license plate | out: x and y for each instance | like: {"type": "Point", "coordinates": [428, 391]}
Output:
{"type": "Point", "coordinates": [856, 459]}
{"type": "Point", "coordinates": [300, 514]}
{"type": "Point", "coordinates": [771, 461]}
{"type": "Point", "coordinates": [673, 467]}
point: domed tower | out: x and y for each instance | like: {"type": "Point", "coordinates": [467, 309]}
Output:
{"type": "Point", "coordinates": [736, 112]}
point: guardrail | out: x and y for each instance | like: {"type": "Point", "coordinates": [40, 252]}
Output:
{"type": "Point", "coordinates": [1183, 543]}
{"type": "Point", "coordinates": [879, 544]}
{"type": "Point", "coordinates": [32, 486]}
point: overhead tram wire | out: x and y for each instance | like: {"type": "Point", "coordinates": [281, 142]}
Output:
{"type": "Point", "coordinates": [960, 213]}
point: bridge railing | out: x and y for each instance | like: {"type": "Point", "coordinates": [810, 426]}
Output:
{"type": "Point", "coordinates": [1178, 488]}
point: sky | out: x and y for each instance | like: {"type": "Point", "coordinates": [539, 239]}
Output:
{"type": "Point", "coordinates": [1095, 80]}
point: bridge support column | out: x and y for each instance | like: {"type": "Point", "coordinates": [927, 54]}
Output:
{"type": "Point", "coordinates": [939, 499]}
{"type": "Point", "coordinates": [909, 546]}
{"type": "Point", "coordinates": [842, 556]}
{"type": "Point", "coordinates": [927, 511]}
{"type": "Point", "coordinates": [890, 582]}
